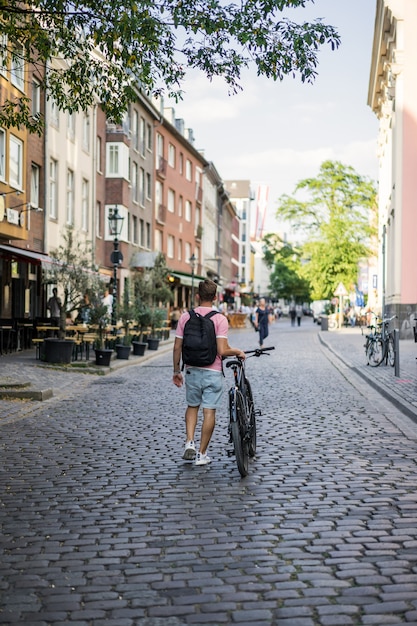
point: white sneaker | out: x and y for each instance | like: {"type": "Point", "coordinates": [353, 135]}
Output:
{"type": "Point", "coordinates": [202, 459]}
{"type": "Point", "coordinates": [189, 451]}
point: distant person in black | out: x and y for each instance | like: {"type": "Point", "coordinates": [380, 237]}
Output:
{"type": "Point", "coordinates": [262, 321]}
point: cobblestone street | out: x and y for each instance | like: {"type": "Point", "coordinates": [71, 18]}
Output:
{"type": "Point", "coordinates": [103, 524]}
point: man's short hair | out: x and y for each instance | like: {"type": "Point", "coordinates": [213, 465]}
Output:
{"type": "Point", "coordinates": [207, 290]}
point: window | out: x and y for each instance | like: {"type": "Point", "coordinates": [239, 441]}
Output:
{"type": "Point", "coordinates": [135, 182]}
{"type": "Point", "coordinates": [98, 156]}
{"type": "Point", "coordinates": [142, 138]}
{"type": "Point", "coordinates": [70, 197]}
{"type": "Point", "coordinates": [142, 186]}
{"type": "Point", "coordinates": [15, 162]}
{"type": "Point", "coordinates": [84, 204]}
{"type": "Point", "coordinates": [197, 220]}
{"type": "Point", "coordinates": [159, 149]}
{"type": "Point", "coordinates": [134, 229]}
{"type": "Point", "coordinates": [159, 191]}
{"type": "Point", "coordinates": [158, 240]}
{"type": "Point", "coordinates": [53, 189]}
{"type": "Point", "coordinates": [99, 220]}
{"type": "Point", "coordinates": [170, 246]}
{"type": "Point", "coordinates": [3, 55]}
{"type": "Point", "coordinates": [148, 185]}
{"type": "Point", "coordinates": [70, 125]}
{"type": "Point", "coordinates": [86, 132]}
{"type": "Point", "coordinates": [171, 200]}
{"type": "Point", "coordinates": [148, 235]}
{"type": "Point", "coordinates": [114, 158]}
{"type": "Point", "coordinates": [188, 211]}
{"type": "Point", "coordinates": [171, 155]}
{"type": "Point", "coordinates": [188, 251]}
{"type": "Point", "coordinates": [179, 250]}
{"type": "Point", "coordinates": [181, 163]}
{"type": "Point", "coordinates": [141, 233]}
{"type": "Point", "coordinates": [135, 130]}
{"type": "Point", "coordinates": [129, 227]}
{"type": "Point", "coordinates": [54, 113]}
{"type": "Point", "coordinates": [17, 68]}
{"type": "Point", "coordinates": [149, 137]}
{"type": "Point", "coordinates": [2, 154]}
{"type": "Point", "coordinates": [34, 186]}
{"type": "Point", "coordinates": [188, 170]}
{"type": "Point", "coordinates": [36, 97]}
{"type": "Point", "coordinates": [180, 205]}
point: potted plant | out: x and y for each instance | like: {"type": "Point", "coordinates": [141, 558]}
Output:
{"type": "Point", "coordinates": [157, 317]}
{"type": "Point", "coordinates": [99, 320]}
{"type": "Point", "coordinates": [125, 313]}
{"type": "Point", "coordinates": [143, 318]}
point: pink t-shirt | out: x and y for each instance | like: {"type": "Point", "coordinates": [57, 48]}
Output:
{"type": "Point", "coordinates": [221, 327]}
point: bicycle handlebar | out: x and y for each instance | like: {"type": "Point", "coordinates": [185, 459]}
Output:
{"type": "Point", "coordinates": [239, 361]}
{"type": "Point", "coordinates": [259, 351]}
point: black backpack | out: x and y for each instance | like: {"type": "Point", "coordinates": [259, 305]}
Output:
{"type": "Point", "coordinates": [199, 345]}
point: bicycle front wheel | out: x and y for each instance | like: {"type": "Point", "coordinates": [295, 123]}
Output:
{"type": "Point", "coordinates": [391, 352]}
{"type": "Point", "coordinates": [252, 419]}
{"type": "Point", "coordinates": [238, 428]}
{"type": "Point", "coordinates": [375, 352]}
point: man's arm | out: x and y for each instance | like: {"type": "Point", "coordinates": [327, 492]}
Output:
{"type": "Point", "coordinates": [176, 362]}
{"type": "Point", "coordinates": [224, 350]}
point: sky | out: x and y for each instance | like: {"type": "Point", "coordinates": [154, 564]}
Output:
{"type": "Point", "coordinates": [278, 133]}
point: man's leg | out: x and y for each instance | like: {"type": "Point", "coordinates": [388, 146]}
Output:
{"type": "Point", "coordinates": [191, 415]}
{"type": "Point", "coordinates": [207, 428]}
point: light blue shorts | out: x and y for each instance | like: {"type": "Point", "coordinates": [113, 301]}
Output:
{"type": "Point", "coordinates": [203, 387]}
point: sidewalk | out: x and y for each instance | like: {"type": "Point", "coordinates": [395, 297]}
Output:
{"type": "Point", "coordinates": [348, 345]}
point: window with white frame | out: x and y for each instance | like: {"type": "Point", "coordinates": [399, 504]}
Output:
{"type": "Point", "coordinates": [135, 182]}
{"type": "Point", "coordinates": [15, 162]}
{"type": "Point", "coordinates": [188, 170]}
{"type": "Point", "coordinates": [148, 185]}
{"type": "Point", "coordinates": [171, 155]}
{"type": "Point", "coordinates": [170, 246]}
{"type": "Point", "coordinates": [17, 68]}
{"type": "Point", "coordinates": [187, 251]}
{"type": "Point", "coordinates": [197, 219]}
{"type": "Point", "coordinates": [142, 136]}
{"type": "Point", "coordinates": [98, 155]}
{"type": "Point", "coordinates": [180, 206]}
{"type": "Point", "coordinates": [118, 161]}
{"type": "Point", "coordinates": [54, 113]}
{"type": "Point", "coordinates": [34, 185]}
{"type": "Point", "coordinates": [86, 132]}
{"type": "Point", "coordinates": [113, 158]}
{"type": "Point", "coordinates": [171, 200]}
{"type": "Point", "coordinates": [2, 154]}
{"type": "Point", "coordinates": [3, 55]}
{"type": "Point", "coordinates": [70, 125]}
{"type": "Point", "coordinates": [135, 130]}
{"type": "Point", "coordinates": [53, 189]}
{"type": "Point", "coordinates": [181, 164]}
{"type": "Point", "coordinates": [149, 136]}
{"type": "Point", "coordinates": [99, 220]}
{"type": "Point", "coordinates": [36, 97]}
{"type": "Point", "coordinates": [134, 229]}
{"type": "Point", "coordinates": [179, 250]}
{"type": "Point", "coordinates": [159, 190]}
{"type": "Point", "coordinates": [141, 233]}
{"type": "Point", "coordinates": [148, 235]}
{"type": "Point", "coordinates": [129, 227]}
{"type": "Point", "coordinates": [158, 240]}
{"type": "Point", "coordinates": [70, 197]}
{"type": "Point", "coordinates": [188, 211]}
{"type": "Point", "coordinates": [85, 191]}
{"type": "Point", "coordinates": [142, 186]}
{"type": "Point", "coordinates": [159, 149]}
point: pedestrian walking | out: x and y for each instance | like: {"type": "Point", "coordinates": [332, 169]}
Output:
{"type": "Point", "coordinates": [262, 321]}
{"type": "Point", "coordinates": [292, 313]}
{"type": "Point", "coordinates": [203, 384]}
{"type": "Point", "coordinates": [298, 313]}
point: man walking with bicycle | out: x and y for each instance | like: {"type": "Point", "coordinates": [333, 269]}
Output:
{"type": "Point", "coordinates": [203, 383]}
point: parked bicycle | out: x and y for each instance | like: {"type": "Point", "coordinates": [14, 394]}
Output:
{"type": "Point", "coordinates": [380, 344]}
{"type": "Point", "coordinates": [242, 413]}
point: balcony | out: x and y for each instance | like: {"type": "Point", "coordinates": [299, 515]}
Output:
{"type": "Point", "coordinates": [199, 232]}
{"type": "Point", "coordinates": [161, 170]}
{"type": "Point", "coordinates": [161, 214]}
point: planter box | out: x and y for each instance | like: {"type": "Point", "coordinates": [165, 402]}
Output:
{"type": "Point", "coordinates": [153, 343]}
{"type": "Point", "coordinates": [139, 348]}
{"type": "Point", "coordinates": [123, 352]}
{"type": "Point", "coordinates": [103, 357]}
{"type": "Point", "coordinates": [58, 350]}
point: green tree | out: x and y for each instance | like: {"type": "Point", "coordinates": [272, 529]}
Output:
{"type": "Point", "coordinates": [336, 212]}
{"type": "Point", "coordinates": [150, 286]}
{"type": "Point", "coordinates": [286, 279]}
{"type": "Point", "coordinates": [108, 49]}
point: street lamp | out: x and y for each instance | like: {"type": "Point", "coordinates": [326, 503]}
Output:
{"type": "Point", "coordinates": [193, 263]}
{"type": "Point", "coordinates": [115, 228]}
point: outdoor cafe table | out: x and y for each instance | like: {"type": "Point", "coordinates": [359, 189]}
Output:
{"type": "Point", "coordinates": [237, 320]}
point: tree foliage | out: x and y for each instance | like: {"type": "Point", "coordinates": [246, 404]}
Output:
{"type": "Point", "coordinates": [336, 212]}
{"type": "Point", "coordinates": [286, 279]}
{"type": "Point", "coordinates": [108, 49]}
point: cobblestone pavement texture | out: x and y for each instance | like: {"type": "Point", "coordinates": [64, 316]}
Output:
{"type": "Point", "coordinates": [103, 524]}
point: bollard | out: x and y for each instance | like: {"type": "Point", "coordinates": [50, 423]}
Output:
{"type": "Point", "coordinates": [397, 351]}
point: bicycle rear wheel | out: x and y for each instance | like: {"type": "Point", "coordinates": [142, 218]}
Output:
{"type": "Point", "coordinates": [375, 352]}
{"type": "Point", "coordinates": [238, 428]}
{"type": "Point", "coordinates": [252, 419]}
{"type": "Point", "coordinates": [391, 351]}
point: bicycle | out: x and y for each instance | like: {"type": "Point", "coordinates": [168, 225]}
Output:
{"type": "Point", "coordinates": [380, 344]}
{"type": "Point", "coordinates": [242, 413]}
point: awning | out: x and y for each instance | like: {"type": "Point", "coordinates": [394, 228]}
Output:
{"type": "Point", "coordinates": [187, 279]}
{"type": "Point", "coordinates": [37, 258]}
